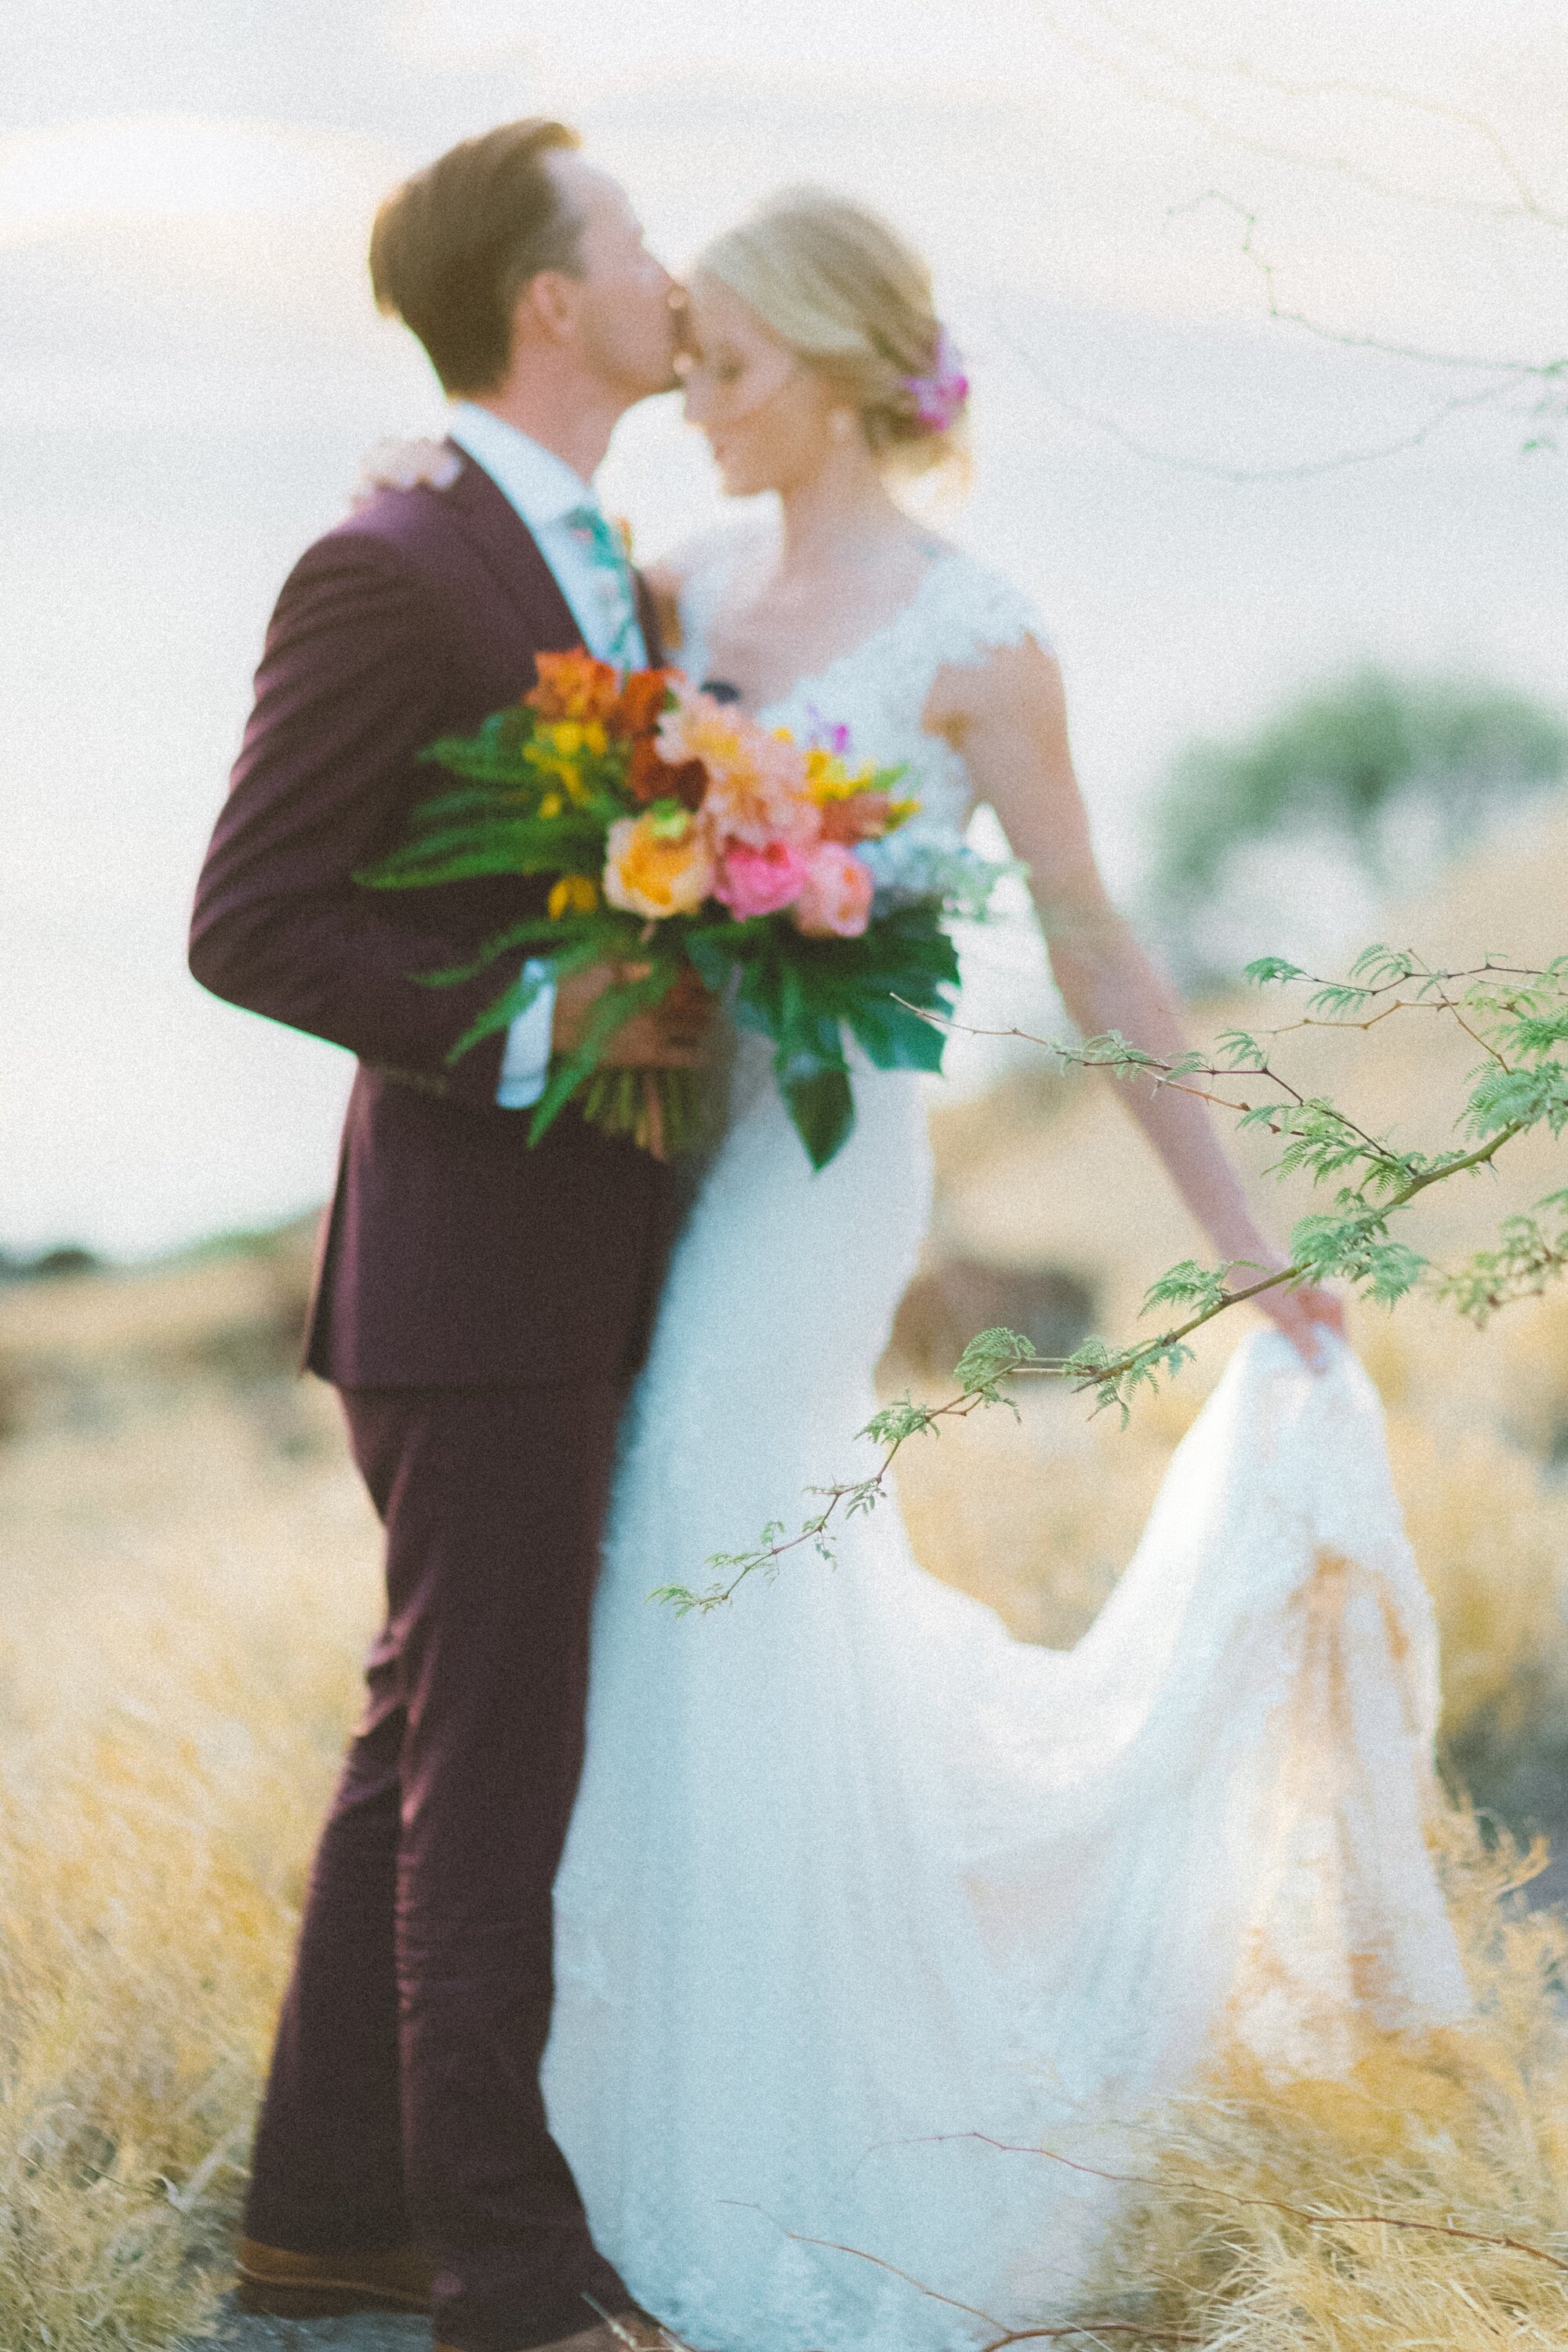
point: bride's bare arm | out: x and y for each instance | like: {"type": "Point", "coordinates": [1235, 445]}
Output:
{"type": "Point", "coordinates": [1007, 717]}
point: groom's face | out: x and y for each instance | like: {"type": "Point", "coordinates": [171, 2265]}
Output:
{"type": "Point", "coordinates": [623, 325]}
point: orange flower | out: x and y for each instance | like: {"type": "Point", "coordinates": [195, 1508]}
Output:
{"type": "Point", "coordinates": [644, 693]}
{"type": "Point", "coordinates": [862, 816]}
{"type": "Point", "coordinates": [658, 864]}
{"type": "Point", "coordinates": [575, 686]}
{"type": "Point", "coordinates": [649, 778]}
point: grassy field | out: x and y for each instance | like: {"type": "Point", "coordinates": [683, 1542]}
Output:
{"type": "Point", "coordinates": [188, 1575]}
{"type": "Point", "coordinates": [189, 1571]}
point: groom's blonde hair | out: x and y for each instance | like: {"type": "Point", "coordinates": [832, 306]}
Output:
{"type": "Point", "coordinates": [852, 298]}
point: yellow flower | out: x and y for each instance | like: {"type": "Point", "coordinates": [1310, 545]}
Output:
{"type": "Point", "coordinates": [570, 738]}
{"type": "Point", "coordinates": [655, 867]}
{"type": "Point", "coordinates": [546, 763]}
{"type": "Point", "coordinates": [552, 805]}
{"type": "Point", "coordinates": [827, 778]}
{"type": "Point", "coordinates": [575, 894]}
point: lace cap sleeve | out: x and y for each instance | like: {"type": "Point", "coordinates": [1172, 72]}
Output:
{"type": "Point", "coordinates": [981, 610]}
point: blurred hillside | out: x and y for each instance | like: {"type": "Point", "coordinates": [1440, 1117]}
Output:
{"type": "Point", "coordinates": [1290, 839]}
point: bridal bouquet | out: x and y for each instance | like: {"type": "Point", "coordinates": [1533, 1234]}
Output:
{"type": "Point", "coordinates": [681, 839]}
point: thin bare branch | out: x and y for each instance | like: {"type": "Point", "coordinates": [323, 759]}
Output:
{"type": "Point", "coordinates": [1307, 469]}
{"type": "Point", "coordinates": [1062, 2331]}
{"type": "Point", "coordinates": [1524, 203]}
{"type": "Point", "coordinates": [1316, 2220]}
{"type": "Point", "coordinates": [1347, 338]}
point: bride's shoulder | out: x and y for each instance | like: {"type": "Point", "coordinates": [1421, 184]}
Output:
{"type": "Point", "coordinates": [977, 610]}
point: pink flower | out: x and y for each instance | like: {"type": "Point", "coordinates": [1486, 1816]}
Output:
{"type": "Point", "coordinates": [939, 398]}
{"type": "Point", "coordinates": [760, 881]}
{"type": "Point", "coordinates": [835, 902]}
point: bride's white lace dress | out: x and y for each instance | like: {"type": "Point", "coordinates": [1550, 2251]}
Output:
{"type": "Point", "coordinates": [853, 1875]}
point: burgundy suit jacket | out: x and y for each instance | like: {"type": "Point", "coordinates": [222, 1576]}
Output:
{"type": "Point", "coordinates": [453, 1255]}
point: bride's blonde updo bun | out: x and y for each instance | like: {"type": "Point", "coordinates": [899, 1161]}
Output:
{"type": "Point", "coordinates": [846, 294]}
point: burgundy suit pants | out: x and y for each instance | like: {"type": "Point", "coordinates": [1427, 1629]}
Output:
{"type": "Point", "coordinates": [404, 2100]}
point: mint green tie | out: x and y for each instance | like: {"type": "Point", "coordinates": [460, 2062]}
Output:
{"type": "Point", "coordinates": [587, 524]}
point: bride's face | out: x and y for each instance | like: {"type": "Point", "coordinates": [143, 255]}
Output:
{"type": "Point", "coordinates": [764, 412]}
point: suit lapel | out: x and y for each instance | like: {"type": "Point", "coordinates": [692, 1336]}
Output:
{"type": "Point", "coordinates": [647, 614]}
{"type": "Point", "coordinates": [511, 554]}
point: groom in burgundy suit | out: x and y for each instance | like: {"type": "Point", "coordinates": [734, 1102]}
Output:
{"type": "Point", "coordinates": [481, 1306]}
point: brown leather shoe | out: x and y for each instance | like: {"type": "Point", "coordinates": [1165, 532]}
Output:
{"type": "Point", "coordinates": [286, 2285]}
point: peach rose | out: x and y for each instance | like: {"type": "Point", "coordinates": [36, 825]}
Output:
{"type": "Point", "coordinates": [657, 864]}
{"type": "Point", "coordinates": [834, 901]}
{"type": "Point", "coordinates": [756, 781]}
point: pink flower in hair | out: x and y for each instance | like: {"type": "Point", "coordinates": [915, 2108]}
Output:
{"type": "Point", "coordinates": [939, 397]}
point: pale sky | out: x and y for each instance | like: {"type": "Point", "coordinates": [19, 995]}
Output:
{"type": "Point", "coordinates": [1046, 142]}
{"type": "Point", "coordinates": [191, 368]}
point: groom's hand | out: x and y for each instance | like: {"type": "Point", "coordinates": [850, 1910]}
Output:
{"type": "Point", "coordinates": [670, 1037]}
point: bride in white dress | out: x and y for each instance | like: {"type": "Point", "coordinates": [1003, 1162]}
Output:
{"type": "Point", "coordinates": [853, 1876]}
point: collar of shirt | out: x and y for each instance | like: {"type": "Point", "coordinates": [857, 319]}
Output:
{"type": "Point", "coordinates": [540, 485]}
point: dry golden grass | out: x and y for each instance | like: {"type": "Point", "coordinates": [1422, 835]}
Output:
{"type": "Point", "coordinates": [1421, 2201]}
{"type": "Point", "coordinates": [182, 1605]}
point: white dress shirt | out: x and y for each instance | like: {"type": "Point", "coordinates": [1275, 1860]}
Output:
{"type": "Point", "coordinates": [543, 490]}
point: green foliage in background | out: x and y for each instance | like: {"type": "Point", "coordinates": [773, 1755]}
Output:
{"type": "Point", "coordinates": [1343, 761]}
